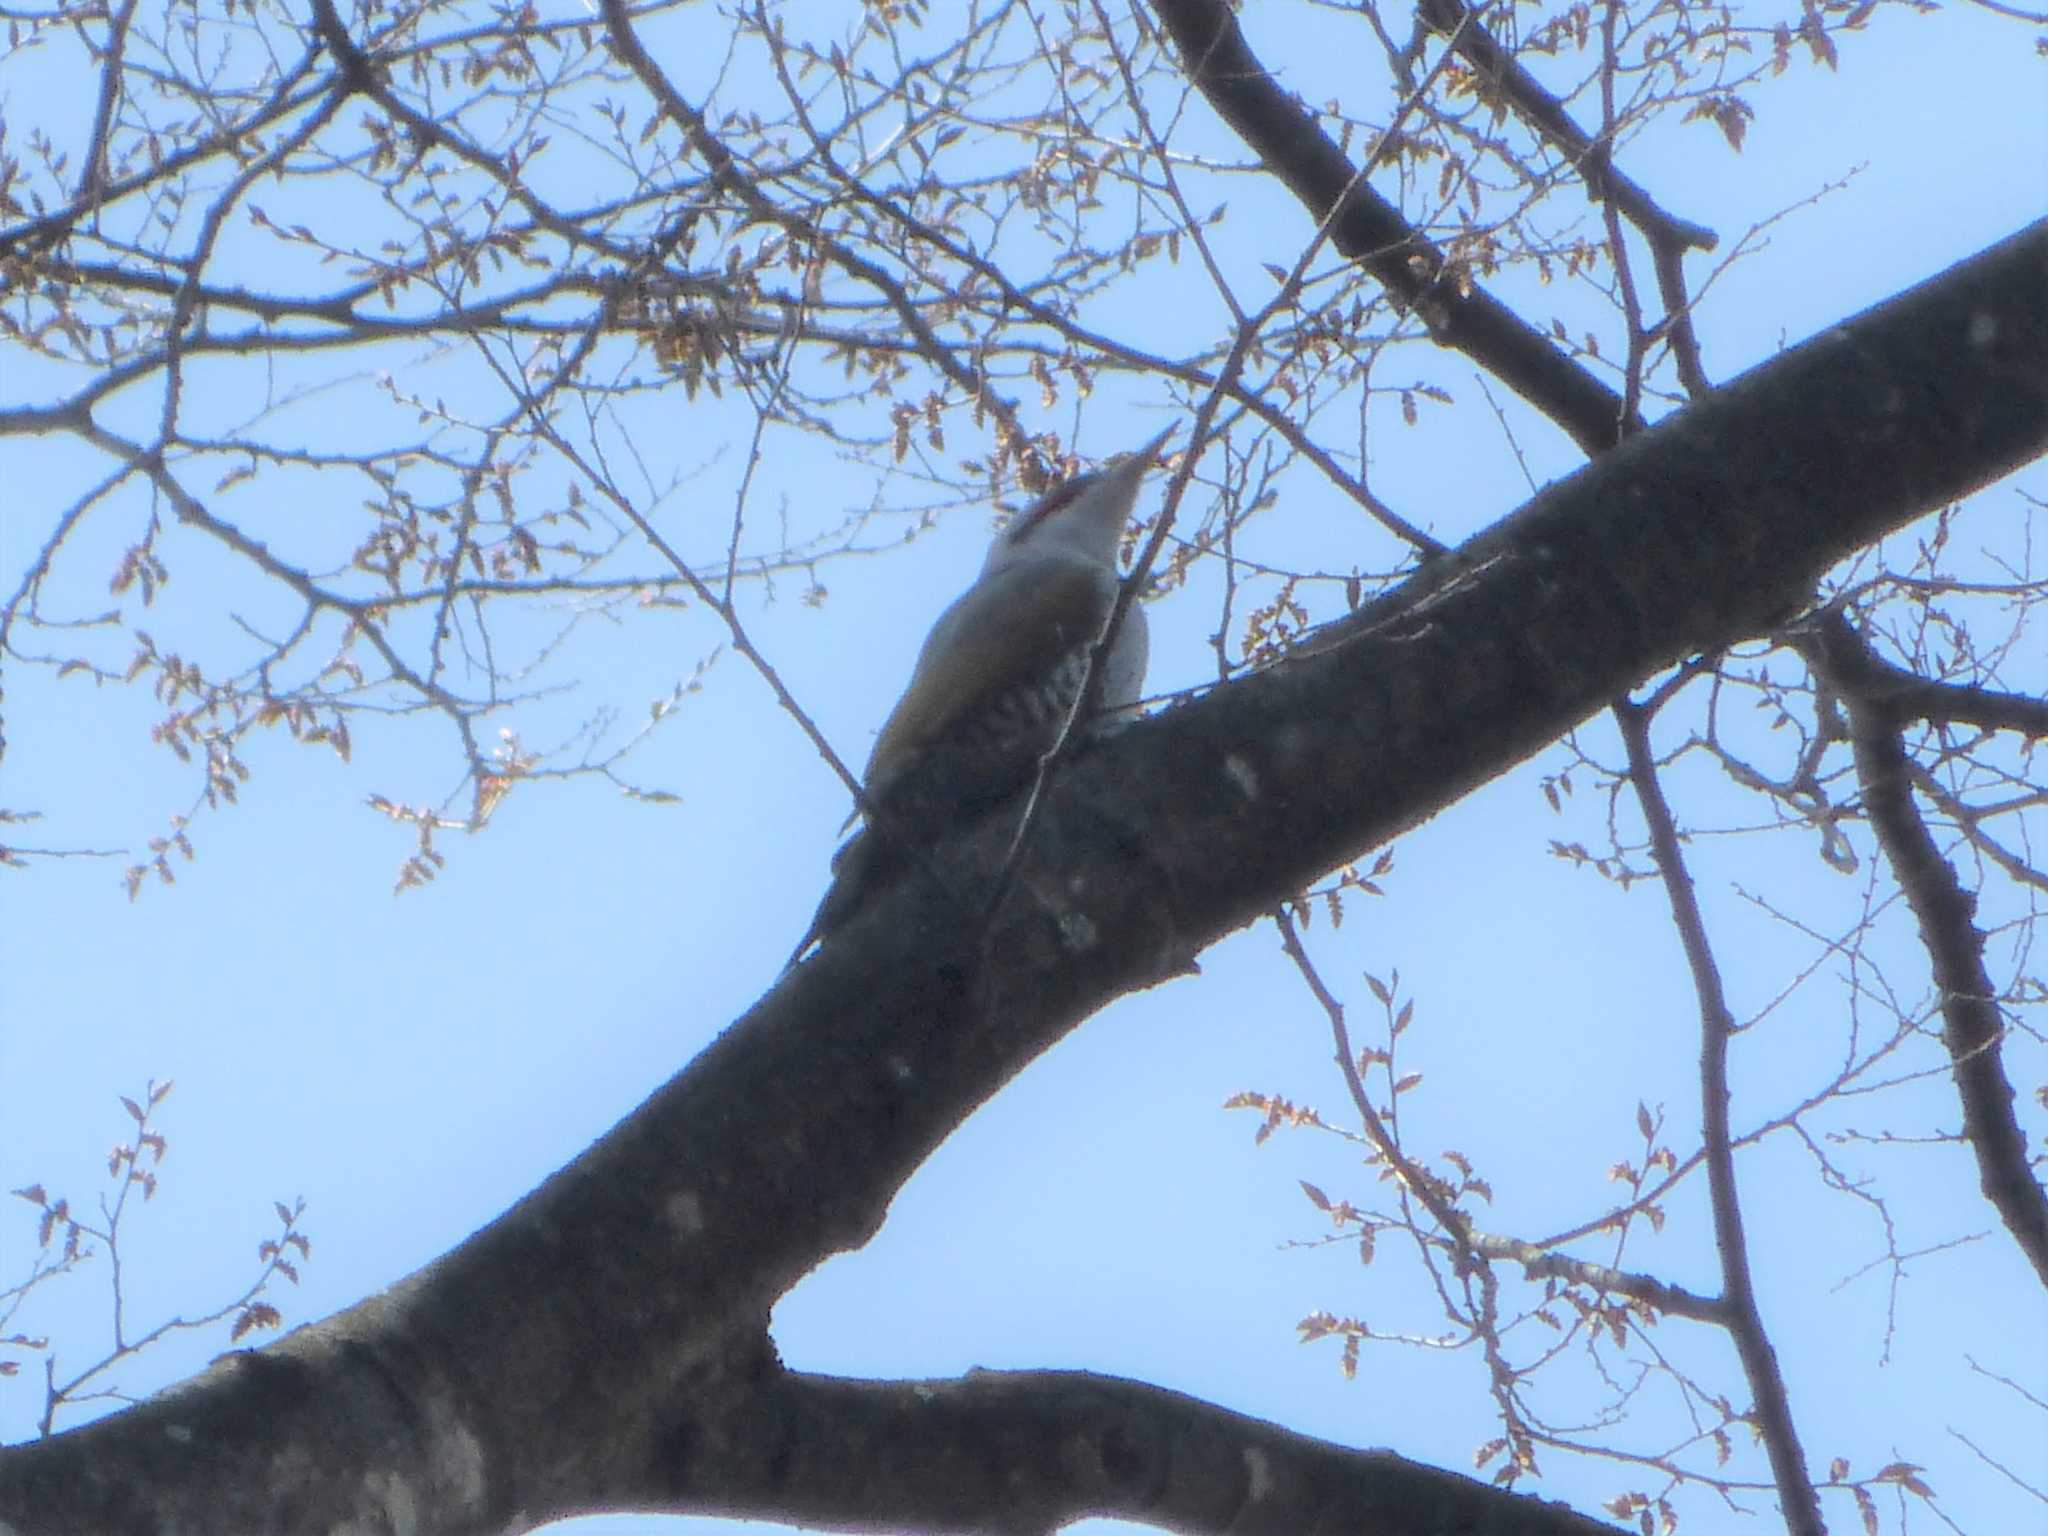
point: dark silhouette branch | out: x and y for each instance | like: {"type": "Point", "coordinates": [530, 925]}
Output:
{"type": "Point", "coordinates": [1854, 668]}
{"type": "Point", "coordinates": [1773, 1411]}
{"type": "Point", "coordinates": [556, 1358]}
{"type": "Point", "coordinates": [1503, 76]}
{"type": "Point", "coordinates": [1881, 698]}
{"type": "Point", "coordinates": [1369, 230]}
{"type": "Point", "coordinates": [1064, 1446]}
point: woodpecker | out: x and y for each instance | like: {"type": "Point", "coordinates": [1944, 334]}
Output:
{"type": "Point", "coordinates": [999, 678]}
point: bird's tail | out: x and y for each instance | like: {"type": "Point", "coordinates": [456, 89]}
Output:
{"type": "Point", "coordinates": [857, 868]}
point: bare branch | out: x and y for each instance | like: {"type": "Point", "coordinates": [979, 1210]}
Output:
{"type": "Point", "coordinates": [1880, 698]}
{"type": "Point", "coordinates": [1796, 1497]}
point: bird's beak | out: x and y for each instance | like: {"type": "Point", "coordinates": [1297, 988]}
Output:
{"type": "Point", "coordinates": [1127, 472]}
{"type": "Point", "coordinates": [1150, 451]}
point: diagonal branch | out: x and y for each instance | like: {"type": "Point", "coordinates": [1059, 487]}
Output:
{"type": "Point", "coordinates": [1502, 73]}
{"type": "Point", "coordinates": [1971, 1026]}
{"type": "Point", "coordinates": [1369, 230]}
{"type": "Point", "coordinates": [531, 1371]}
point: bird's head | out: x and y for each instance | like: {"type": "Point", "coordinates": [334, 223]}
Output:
{"type": "Point", "coordinates": [1083, 516]}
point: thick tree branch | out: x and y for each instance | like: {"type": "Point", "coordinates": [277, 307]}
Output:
{"type": "Point", "coordinates": [1030, 1451]}
{"type": "Point", "coordinates": [543, 1365]}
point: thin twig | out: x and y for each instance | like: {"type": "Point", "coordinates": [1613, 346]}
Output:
{"type": "Point", "coordinates": [1796, 1496]}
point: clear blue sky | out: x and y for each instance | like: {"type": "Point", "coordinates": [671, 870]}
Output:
{"type": "Point", "coordinates": [410, 1066]}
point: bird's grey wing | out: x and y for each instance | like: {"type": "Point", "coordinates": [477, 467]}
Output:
{"type": "Point", "coordinates": [1007, 634]}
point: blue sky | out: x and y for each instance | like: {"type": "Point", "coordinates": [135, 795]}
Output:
{"type": "Point", "coordinates": [411, 1065]}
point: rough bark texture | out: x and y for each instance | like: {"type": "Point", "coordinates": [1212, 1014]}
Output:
{"type": "Point", "coordinates": [604, 1344]}
{"type": "Point", "coordinates": [1052, 1447]}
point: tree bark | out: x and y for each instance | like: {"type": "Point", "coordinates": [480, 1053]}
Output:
{"type": "Point", "coordinates": [605, 1339]}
